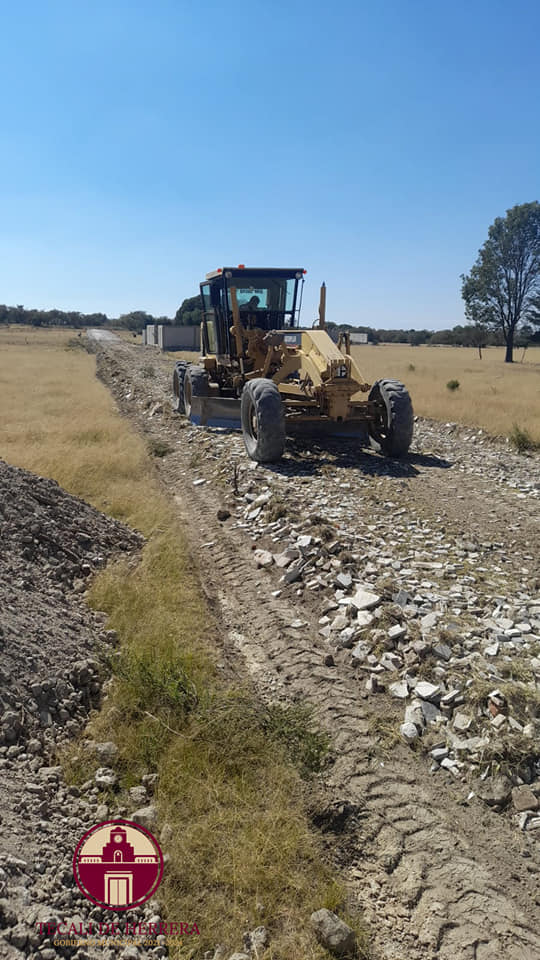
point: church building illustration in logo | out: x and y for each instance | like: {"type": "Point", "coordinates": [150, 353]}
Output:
{"type": "Point", "coordinates": [118, 864]}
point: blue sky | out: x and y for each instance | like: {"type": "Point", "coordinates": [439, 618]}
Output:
{"type": "Point", "coordinates": [145, 143]}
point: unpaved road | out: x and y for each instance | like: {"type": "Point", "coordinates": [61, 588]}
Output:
{"type": "Point", "coordinates": [438, 873]}
{"type": "Point", "coordinates": [102, 336]}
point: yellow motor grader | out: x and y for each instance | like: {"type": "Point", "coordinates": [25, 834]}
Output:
{"type": "Point", "coordinates": [261, 372]}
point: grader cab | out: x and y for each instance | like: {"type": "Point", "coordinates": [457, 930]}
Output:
{"type": "Point", "coordinates": [260, 371]}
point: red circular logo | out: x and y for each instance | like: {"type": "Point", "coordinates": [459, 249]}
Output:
{"type": "Point", "coordinates": [118, 864]}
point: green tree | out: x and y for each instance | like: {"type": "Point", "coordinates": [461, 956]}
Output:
{"type": "Point", "coordinates": [136, 320]}
{"type": "Point", "coordinates": [503, 287]}
{"type": "Point", "coordinates": [190, 313]}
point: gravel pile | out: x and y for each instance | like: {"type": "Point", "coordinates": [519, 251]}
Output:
{"type": "Point", "coordinates": [50, 678]}
{"type": "Point", "coordinates": [51, 543]}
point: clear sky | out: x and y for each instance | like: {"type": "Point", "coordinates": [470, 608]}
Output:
{"type": "Point", "coordinates": [146, 142]}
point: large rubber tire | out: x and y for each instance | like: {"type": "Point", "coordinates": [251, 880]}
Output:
{"type": "Point", "coordinates": [393, 431]}
{"type": "Point", "coordinates": [178, 385]}
{"type": "Point", "coordinates": [263, 420]}
{"type": "Point", "coordinates": [196, 384]}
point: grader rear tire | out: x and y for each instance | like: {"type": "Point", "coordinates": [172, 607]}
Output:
{"type": "Point", "coordinates": [195, 385]}
{"type": "Point", "coordinates": [178, 386]}
{"type": "Point", "coordinates": [263, 420]}
{"type": "Point", "coordinates": [393, 430]}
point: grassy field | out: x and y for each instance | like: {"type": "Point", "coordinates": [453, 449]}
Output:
{"type": "Point", "coordinates": [228, 787]}
{"type": "Point", "coordinates": [492, 394]}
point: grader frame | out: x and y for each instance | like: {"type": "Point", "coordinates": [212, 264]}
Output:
{"type": "Point", "coordinates": [261, 371]}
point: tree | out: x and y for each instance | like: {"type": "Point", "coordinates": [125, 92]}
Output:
{"type": "Point", "coordinates": [136, 320]}
{"type": "Point", "coordinates": [503, 288]}
{"type": "Point", "coordinates": [190, 313]}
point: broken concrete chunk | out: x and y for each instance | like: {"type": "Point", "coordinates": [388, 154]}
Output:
{"type": "Point", "coordinates": [442, 651]}
{"type": "Point", "coordinates": [339, 622]}
{"type": "Point", "coordinates": [364, 600]}
{"type": "Point", "coordinates": [409, 732]}
{"type": "Point", "coordinates": [263, 558]}
{"type": "Point", "coordinates": [281, 560]}
{"type": "Point", "coordinates": [363, 619]}
{"type": "Point", "coordinates": [495, 792]}
{"type": "Point", "coordinates": [372, 684]}
{"type": "Point", "coordinates": [462, 722]}
{"type": "Point", "coordinates": [360, 651]}
{"type": "Point", "coordinates": [430, 711]}
{"type": "Point", "coordinates": [413, 714]}
{"type": "Point", "coordinates": [293, 573]}
{"type": "Point", "coordinates": [427, 691]}
{"type": "Point", "coordinates": [335, 935]}
{"type": "Point", "coordinates": [400, 690]}
{"type": "Point", "coordinates": [523, 799]}
{"type": "Point", "coordinates": [256, 941]}
{"type": "Point", "coordinates": [145, 816]}
{"type": "Point", "coordinates": [105, 778]}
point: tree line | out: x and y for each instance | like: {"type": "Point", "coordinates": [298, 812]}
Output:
{"type": "Point", "coordinates": [501, 295]}
{"type": "Point", "coordinates": [190, 314]}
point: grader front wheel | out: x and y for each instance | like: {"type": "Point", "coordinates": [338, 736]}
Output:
{"type": "Point", "coordinates": [393, 429]}
{"type": "Point", "coordinates": [263, 421]}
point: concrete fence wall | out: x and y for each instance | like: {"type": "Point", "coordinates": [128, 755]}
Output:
{"type": "Point", "coordinates": [178, 338]}
{"type": "Point", "coordinates": [150, 331]}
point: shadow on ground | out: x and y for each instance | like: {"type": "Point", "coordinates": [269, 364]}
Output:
{"type": "Point", "coordinates": [310, 459]}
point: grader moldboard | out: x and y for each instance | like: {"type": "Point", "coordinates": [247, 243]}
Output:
{"type": "Point", "coordinates": [259, 371]}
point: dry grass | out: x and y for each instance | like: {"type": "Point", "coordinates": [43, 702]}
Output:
{"type": "Point", "coordinates": [227, 786]}
{"type": "Point", "coordinates": [492, 394]}
{"type": "Point", "coordinates": [126, 335]}
{"type": "Point", "coordinates": [191, 356]}
{"type": "Point", "coordinates": [58, 420]}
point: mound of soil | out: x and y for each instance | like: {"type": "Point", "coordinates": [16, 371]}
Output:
{"type": "Point", "coordinates": [50, 543]}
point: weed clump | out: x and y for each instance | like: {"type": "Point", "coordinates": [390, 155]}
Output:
{"type": "Point", "coordinates": [276, 509]}
{"type": "Point", "coordinates": [294, 727]}
{"type": "Point", "coordinates": [522, 440]}
{"type": "Point", "coordinates": [158, 448]}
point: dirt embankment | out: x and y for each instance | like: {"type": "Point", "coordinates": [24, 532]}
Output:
{"type": "Point", "coordinates": [401, 600]}
{"type": "Point", "coordinates": [52, 650]}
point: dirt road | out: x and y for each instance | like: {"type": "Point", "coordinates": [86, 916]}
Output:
{"type": "Point", "coordinates": [102, 336]}
{"type": "Point", "coordinates": [434, 831]}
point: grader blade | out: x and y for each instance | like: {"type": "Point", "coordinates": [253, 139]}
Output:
{"type": "Point", "coordinates": [216, 412]}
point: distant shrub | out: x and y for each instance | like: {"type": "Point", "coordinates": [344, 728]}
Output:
{"type": "Point", "coordinates": [158, 448]}
{"type": "Point", "coordinates": [411, 367]}
{"type": "Point", "coordinates": [76, 343]}
{"type": "Point", "coordinates": [452, 385]}
{"type": "Point", "coordinates": [522, 439]}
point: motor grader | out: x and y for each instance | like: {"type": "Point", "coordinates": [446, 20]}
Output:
{"type": "Point", "coordinates": [261, 372]}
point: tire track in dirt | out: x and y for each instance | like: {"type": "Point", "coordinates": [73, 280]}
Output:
{"type": "Point", "coordinates": [438, 879]}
